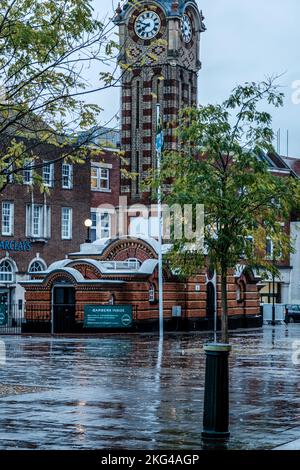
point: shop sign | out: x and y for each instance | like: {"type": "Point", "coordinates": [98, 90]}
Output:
{"type": "Point", "coordinates": [15, 245]}
{"type": "Point", "coordinates": [108, 316]}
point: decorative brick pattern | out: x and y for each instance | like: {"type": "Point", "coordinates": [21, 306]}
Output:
{"type": "Point", "coordinates": [177, 67]}
{"type": "Point", "coordinates": [135, 291]}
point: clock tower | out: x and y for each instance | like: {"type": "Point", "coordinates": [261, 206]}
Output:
{"type": "Point", "coordinates": [160, 60]}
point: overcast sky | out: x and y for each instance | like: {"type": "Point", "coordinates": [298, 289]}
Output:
{"type": "Point", "coordinates": [245, 40]}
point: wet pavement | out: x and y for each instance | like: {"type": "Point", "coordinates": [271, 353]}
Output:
{"type": "Point", "coordinates": [120, 392]}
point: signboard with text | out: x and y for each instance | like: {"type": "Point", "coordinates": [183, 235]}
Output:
{"type": "Point", "coordinates": [108, 316]}
{"type": "Point", "coordinates": [15, 245]}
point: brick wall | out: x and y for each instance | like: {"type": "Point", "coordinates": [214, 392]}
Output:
{"type": "Point", "coordinates": [80, 198]}
{"type": "Point", "coordinates": [77, 198]}
{"type": "Point", "coordinates": [109, 157]}
{"type": "Point", "coordinates": [190, 294]}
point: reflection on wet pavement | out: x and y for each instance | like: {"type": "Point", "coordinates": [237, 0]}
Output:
{"type": "Point", "coordinates": [114, 392]}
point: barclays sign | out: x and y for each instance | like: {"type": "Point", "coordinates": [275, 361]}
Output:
{"type": "Point", "coordinates": [15, 245]}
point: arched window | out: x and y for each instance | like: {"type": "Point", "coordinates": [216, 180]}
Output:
{"type": "Point", "coordinates": [152, 292]}
{"type": "Point", "coordinates": [6, 272]}
{"type": "Point", "coordinates": [36, 267]}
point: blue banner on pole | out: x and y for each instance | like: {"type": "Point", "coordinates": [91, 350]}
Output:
{"type": "Point", "coordinates": [159, 135]}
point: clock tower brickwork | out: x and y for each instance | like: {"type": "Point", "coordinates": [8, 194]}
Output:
{"type": "Point", "coordinates": [163, 69]}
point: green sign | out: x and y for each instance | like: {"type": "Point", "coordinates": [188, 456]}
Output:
{"type": "Point", "coordinates": [3, 315]}
{"type": "Point", "coordinates": [108, 316]}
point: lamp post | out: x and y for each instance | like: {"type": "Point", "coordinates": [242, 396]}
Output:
{"type": "Point", "coordinates": [273, 302]}
{"type": "Point", "coordinates": [159, 148]}
{"type": "Point", "coordinates": [88, 223]}
{"type": "Point", "coordinates": [273, 289]}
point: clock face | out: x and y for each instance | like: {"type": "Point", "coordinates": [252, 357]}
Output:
{"type": "Point", "coordinates": [186, 29]}
{"type": "Point", "coordinates": [147, 25]}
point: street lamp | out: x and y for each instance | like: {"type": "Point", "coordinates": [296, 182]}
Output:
{"type": "Point", "coordinates": [273, 323]}
{"type": "Point", "coordinates": [88, 223]}
{"type": "Point", "coordinates": [273, 302]}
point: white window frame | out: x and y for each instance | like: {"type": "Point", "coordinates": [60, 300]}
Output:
{"type": "Point", "coordinates": [44, 222]}
{"type": "Point", "coordinates": [66, 234]}
{"type": "Point", "coordinates": [27, 171]}
{"type": "Point", "coordinates": [93, 229]}
{"type": "Point", "coordinates": [7, 276]}
{"type": "Point", "coordinates": [247, 239]}
{"type": "Point", "coordinates": [99, 229]}
{"type": "Point", "coordinates": [8, 171]}
{"type": "Point", "coordinates": [67, 179]}
{"type": "Point", "coordinates": [36, 262]}
{"type": "Point", "coordinates": [50, 173]}
{"type": "Point", "coordinates": [37, 215]}
{"type": "Point", "coordinates": [270, 255]}
{"type": "Point", "coordinates": [152, 293]}
{"type": "Point", "coordinates": [97, 176]}
{"type": "Point", "coordinates": [10, 231]}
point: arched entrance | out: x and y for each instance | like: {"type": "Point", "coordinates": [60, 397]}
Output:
{"type": "Point", "coordinates": [210, 301]}
{"type": "Point", "coordinates": [63, 305]}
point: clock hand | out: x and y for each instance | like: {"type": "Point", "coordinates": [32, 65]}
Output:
{"type": "Point", "coordinates": [146, 25]}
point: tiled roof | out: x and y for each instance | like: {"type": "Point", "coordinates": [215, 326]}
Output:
{"type": "Point", "coordinates": [294, 164]}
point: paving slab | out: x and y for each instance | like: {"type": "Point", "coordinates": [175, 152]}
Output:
{"type": "Point", "coordinates": [117, 391]}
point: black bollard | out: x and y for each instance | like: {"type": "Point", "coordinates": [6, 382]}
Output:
{"type": "Point", "coordinates": [216, 397]}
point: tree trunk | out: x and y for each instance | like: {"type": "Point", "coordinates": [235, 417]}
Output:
{"type": "Point", "coordinates": [225, 337]}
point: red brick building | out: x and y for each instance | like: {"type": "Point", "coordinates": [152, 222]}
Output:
{"type": "Point", "coordinates": [39, 228]}
{"type": "Point", "coordinates": [160, 42]}
{"type": "Point", "coordinates": [124, 272]}
{"type": "Point", "coordinates": [111, 271]}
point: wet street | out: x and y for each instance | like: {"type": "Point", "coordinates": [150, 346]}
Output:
{"type": "Point", "coordinates": [122, 392]}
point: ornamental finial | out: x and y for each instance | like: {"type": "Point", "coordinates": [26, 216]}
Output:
{"type": "Point", "coordinates": [175, 5]}
{"type": "Point", "coordinates": [119, 9]}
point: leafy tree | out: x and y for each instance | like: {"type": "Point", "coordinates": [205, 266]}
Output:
{"type": "Point", "coordinates": [221, 163]}
{"type": "Point", "coordinates": [46, 49]}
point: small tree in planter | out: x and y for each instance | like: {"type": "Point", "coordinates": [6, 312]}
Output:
{"type": "Point", "coordinates": [222, 163]}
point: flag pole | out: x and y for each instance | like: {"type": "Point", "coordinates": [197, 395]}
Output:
{"type": "Point", "coordinates": [159, 143]}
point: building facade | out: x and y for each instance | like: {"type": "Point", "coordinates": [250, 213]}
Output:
{"type": "Point", "coordinates": [284, 288]}
{"type": "Point", "coordinates": [160, 59]}
{"type": "Point", "coordinates": [160, 56]}
{"type": "Point", "coordinates": [107, 275]}
{"type": "Point", "coordinates": [288, 283]}
{"type": "Point", "coordinates": [38, 227]}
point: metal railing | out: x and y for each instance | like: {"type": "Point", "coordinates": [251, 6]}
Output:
{"type": "Point", "coordinates": [11, 318]}
{"type": "Point", "coordinates": [121, 265]}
